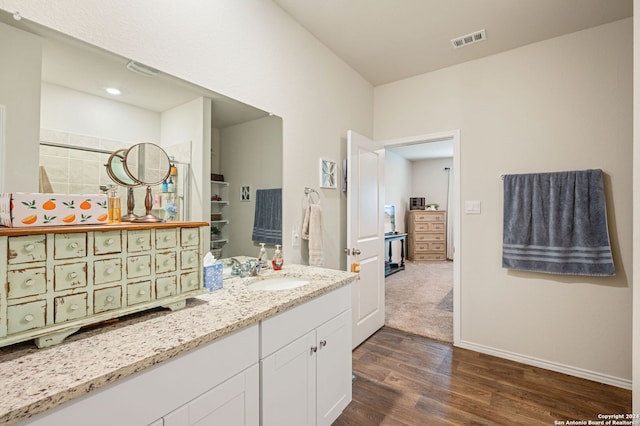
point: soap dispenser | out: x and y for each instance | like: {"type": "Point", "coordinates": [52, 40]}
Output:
{"type": "Point", "coordinates": [262, 255]}
{"type": "Point", "coordinates": [113, 207]}
{"type": "Point", "coordinates": [277, 261]}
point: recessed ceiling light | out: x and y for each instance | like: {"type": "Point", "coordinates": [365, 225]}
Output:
{"type": "Point", "coordinates": [112, 91]}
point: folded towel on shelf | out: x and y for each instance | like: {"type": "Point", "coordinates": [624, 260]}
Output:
{"type": "Point", "coordinates": [312, 231]}
{"type": "Point", "coordinates": [267, 222]}
{"type": "Point", "coordinates": [556, 223]}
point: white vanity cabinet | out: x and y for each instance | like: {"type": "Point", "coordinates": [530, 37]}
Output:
{"type": "Point", "coordinates": [217, 384]}
{"type": "Point", "coordinates": [60, 278]}
{"type": "Point", "coordinates": [306, 362]}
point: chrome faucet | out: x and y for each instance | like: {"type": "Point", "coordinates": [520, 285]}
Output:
{"type": "Point", "coordinates": [249, 267]}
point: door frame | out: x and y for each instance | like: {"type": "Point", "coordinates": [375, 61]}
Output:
{"type": "Point", "coordinates": [454, 136]}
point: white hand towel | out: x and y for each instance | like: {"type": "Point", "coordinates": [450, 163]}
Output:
{"type": "Point", "coordinates": [312, 231]}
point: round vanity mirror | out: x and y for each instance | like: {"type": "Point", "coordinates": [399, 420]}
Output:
{"type": "Point", "coordinates": [141, 164]}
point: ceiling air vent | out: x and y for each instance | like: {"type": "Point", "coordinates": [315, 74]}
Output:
{"type": "Point", "coordinates": [142, 69]}
{"type": "Point", "coordinates": [465, 40]}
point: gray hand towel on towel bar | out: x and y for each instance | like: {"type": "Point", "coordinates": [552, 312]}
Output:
{"type": "Point", "coordinates": [267, 222]}
{"type": "Point", "coordinates": [556, 223]}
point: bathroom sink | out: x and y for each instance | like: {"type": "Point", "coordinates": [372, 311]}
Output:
{"type": "Point", "coordinates": [278, 283]}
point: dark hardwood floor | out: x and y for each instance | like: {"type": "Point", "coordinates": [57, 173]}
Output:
{"type": "Point", "coordinates": [404, 379]}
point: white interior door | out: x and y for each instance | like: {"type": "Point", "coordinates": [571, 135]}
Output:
{"type": "Point", "coordinates": [365, 233]}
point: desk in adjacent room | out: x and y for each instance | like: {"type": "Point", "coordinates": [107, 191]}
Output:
{"type": "Point", "coordinates": [391, 267]}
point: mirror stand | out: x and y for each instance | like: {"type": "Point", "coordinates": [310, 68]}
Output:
{"type": "Point", "coordinates": [130, 217]}
{"type": "Point", "coordinates": [148, 204]}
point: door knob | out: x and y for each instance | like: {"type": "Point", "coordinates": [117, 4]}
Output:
{"type": "Point", "coordinates": [355, 251]}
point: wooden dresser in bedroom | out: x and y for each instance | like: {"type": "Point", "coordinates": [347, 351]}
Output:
{"type": "Point", "coordinates": [427, 239]}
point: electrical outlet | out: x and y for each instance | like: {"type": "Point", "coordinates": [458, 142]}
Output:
{"type": "Point", "coordinates": [295, 238]}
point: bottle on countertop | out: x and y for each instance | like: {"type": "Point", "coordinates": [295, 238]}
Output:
{"type": "Point", "coordinates": [262, 255]}
{"type": "Point", "coordinates": [171, 187]}
{"type": "Point", "coordinates": [113, 207]}
{"type": "Point", "coordinates": [277, 261]}
{"type": "Point", "coordinates": [164, 187]}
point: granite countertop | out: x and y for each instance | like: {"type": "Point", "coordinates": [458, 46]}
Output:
{"type": "Point", "coordinates": [35, 380]}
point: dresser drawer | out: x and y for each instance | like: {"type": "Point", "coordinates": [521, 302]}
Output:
{"type": "Point", "coordinates": [189, 281]}
{"type": "Point", "coordinates": [429, 256]}
{"type": "Point", "coordinates": [138, 241]}
{"type": "Point", "coordinates": [166, 238]}
{"type": "Point", "coordinates": [72, 275]}
{"type": "Point", "coordinates": [429, 227]}
{"type": "Point", "coordinates": [166, 286]}
{"type": "Point", "coordinates": [67, 308]}
{"type": "Point", "coordinates": [166, 262]}
{"type": "Point", "coordinates": [425, 236]}
{"type": "Point", "coordinates": [429, 216]}
{"type": "Point", "coordinates": [29, 248]}
{"type": "Point", "coordinates": [107, 242]}
{"type": "Point", "coordinates": [189, 259]}
{"type": "Point", "coordinates": [26, 282]}
{"type": "Point", "coordinates": [26, 316]}
{"type": "Point", "coordinates": [68, 246]}
{"type": "Point", "coordinates": [107, 271]}
{"type": "Point", "coordinates": [189, 237]}
{"type": "Point", "coordinates": [138, 266]}
{"type": "Point", "coordinates": [107, 299]}
{"type": "Point", "coordinates": [426, 247]}
{"type": "Point", "coordinates": [138, 292]}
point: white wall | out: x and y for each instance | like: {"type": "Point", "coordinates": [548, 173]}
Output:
{"type": "Point", "coordinates": [250, 50]}
{"type": "Point", "coordinates": [397, 184]}
{"type": "Point", "coordinates": [560, 104]}
{"type": "Point", "coordinates": [636, 209]}
{"type": "Point", "coordinates": [250, 154]}
{"type": "Point", "coordinates": [429, 179]}
{"type": "Point", "coordinates": [20, 94]}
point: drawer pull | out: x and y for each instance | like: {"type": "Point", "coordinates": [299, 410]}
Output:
{"type": "Point", "coordinates": [109, 299]}
{"type": "Point", "coordinates": [314, 349]}
{"type": "Point", "coordinates": [109, 242]}
{"type": "Point", "coordinates": [29, 318]}
{"type": "Point", "coordinates": [29, 282]}
{"type": "Point", "coordinates": [141, 292]}
{"type": "Point", "coordinates": [193, 283]}
{"type": "Point", "coordinates": [166, 238]}
{"type": "Point", "coordinates": [74, 307]}
{"type": "Point", "coordinates": [141, 267]}
{"type": "Point", "coordinates": [191, 237]}
{"type": "Point", "coordinates": [109, 271]}
{"type": "Point", "coordinates": [191, 260]}
{"type": "Point", "coordinates": [73, 245]}
{"type": "Point", "coordinates": [140, 240]}
{"type": "Point", "coordinates": [29, 247]}
{"type": "Point", "coordinates": [323, 343]}
{"type": "Point", "coordinates": [72, 275]}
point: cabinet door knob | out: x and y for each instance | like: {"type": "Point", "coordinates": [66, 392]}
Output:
{"type": "Point", "coordinates": [109, 271]}
{"type": "Point", "coordinates": [167, 238]}
{"type": "Point", "coordinates": [140, 240]}
{"type": "Point", "coordinates": [141, 267]}
{"type": "Point", "coordinates": [29, 282]}
{"type": "Point", "coordinates": [314, 349]}
{"type": "Point", "coordinates": [29, 318]}
{"type": "Point", "coordinates": [73, 245]}
{"type": "Point", "coordinates": [109, 299]}
{"type": "Point", "coordinates": [141, 293]}
{"type": "Point", "coordinates": [109, 242]}
{"type": "Point", "coordinates": [323, 343]}
{"type": "Point", "coordinates": [29, 247]}
{"type": "Point", "coordinates": [72, 275]}
{"type": "Point", "coordinates": [73, 307]}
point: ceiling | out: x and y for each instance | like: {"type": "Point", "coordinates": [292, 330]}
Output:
{"type": "Point", "coordinates": [389, 40]}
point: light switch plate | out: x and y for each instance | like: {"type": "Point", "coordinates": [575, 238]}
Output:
{"type": "Point", "coordinates": [472, 207]}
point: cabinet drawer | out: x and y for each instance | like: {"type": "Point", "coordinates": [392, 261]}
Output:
{"type": "Point", "coordinates": [189, 259]}
{"type": "Point", "coordinates": [26, 316]}
{"type": "Point", "coordinates": [70, 307]}
{"type": "Point", "coordinates": [429, 217]}
{"type": "Point", "coordinates": [107, 299]}
{"type": "Point", "coordinates": [107, 271]}
{"type": "Point", "coordinates": [107, 242]}
{"type": "Point", "coordinates": [70, 276]}
{"type": "Point", "coordinates": [166, 238]}
{"type": "Point", "coordinates": [189, 281]}
{"type": "Point", "coordinates": [429, 256]}
{"type": "Point", "coordinates": [425, 247]}
{"type": "Point", "coordinates": [138, 240]}
{"type": "Point", "coordinates": [138, 292]}
{"type": "Point", "coordinates": [26, 282]}
{"type": "Point", "coordinates": [68, 246]}
{"type": "Point", "coordinates": [426, 236]}
{"type": "Point", "coordinates": [138, 266]}
{"type": "Point", "coordinates": [189, 237]}
{"type": "Point", "coordinates": [30, 248]}
{"type": "Point", "coordinates": [429, 226]}
{"type": "Point", "coordinates": [166, 286]}
{"type": "Point", "coordinates": [165, 262]}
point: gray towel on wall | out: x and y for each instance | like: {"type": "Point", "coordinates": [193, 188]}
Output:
{"type": "Point", "coordinates": [556, 223]}
{"type": "Point", "coordinates": [267, 221]}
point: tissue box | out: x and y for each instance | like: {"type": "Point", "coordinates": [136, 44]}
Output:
{"type": "Point", "coordinates": [213, 276]}
{"type": "Point", "coordinates": [24, 209]}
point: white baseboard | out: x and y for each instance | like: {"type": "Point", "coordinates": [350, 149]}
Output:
{"type": "Point", "coordinates": [548, 365]}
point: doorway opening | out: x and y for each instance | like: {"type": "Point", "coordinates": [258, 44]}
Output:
{"type": "Point", "coordinates": [422, 184]}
